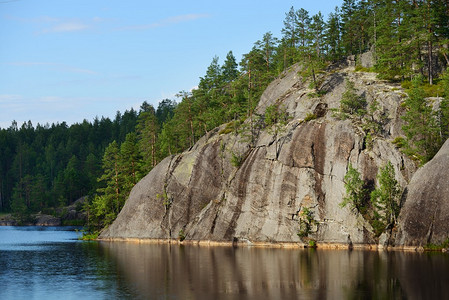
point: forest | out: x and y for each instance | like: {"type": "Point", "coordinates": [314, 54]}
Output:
{"type": "Point", "coordinates": [46, 166]}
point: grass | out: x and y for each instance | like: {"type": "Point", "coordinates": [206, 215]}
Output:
{"type": "Point", "coordinates": [434, 90]}
{"type": "Point", "coordinates": [92, 236]}
{"type": "Point", "coordinates": [359, 68]}
{"type": "Point", "coordinates": [437, 247]}
{"type": "Point", "coordinates": [310, 117]}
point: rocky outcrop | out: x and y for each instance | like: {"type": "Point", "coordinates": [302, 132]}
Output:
{"type": "Point", "coordinates": [201, 195]}
{"type": "Point", "coordinates": [67, 215]}
{"type": "Point", "coordinates": [7, 220]}
{"type": "Point", "coordinates": [47, 220]}
{"type": "Point", "coordinates": [424, 218]}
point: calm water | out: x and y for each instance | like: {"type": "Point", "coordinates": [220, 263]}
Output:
{"type": "Point", "coordinates": [49, 263]}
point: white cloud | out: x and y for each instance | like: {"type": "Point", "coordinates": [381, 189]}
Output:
{"type": "Point", "coordinates": [166, 22]}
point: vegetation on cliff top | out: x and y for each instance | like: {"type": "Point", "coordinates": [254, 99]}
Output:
{"type": "Point", "coordinates": [44, 166]}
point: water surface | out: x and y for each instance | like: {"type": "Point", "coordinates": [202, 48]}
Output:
{"type": "Point", "coordinates": [50, 263]}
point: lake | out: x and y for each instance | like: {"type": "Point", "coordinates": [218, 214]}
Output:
{"type": "Point", "coordinates": [50, 263]}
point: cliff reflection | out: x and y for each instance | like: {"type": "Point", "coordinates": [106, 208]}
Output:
{"type": "Point", "coordinates": [191, 272]}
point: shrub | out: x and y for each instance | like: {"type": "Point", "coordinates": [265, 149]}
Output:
{"type": "Point", "coordinates": [306, 222]}
{"type": "Point", "coordinates": [310, 117]}
{"type": "Point", "coordinates": [355, 190]}
{"type": "Point", "coordinates": [181, 235]}
{"type": "Point", "coordinates": [236, 159]}
{"type": "Point", "coordinates": [352, 103]}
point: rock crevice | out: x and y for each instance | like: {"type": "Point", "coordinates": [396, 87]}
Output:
{"type": "Point", "coordinates": [261, 200]}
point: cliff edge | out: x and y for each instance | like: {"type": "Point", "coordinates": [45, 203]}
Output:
{"type": "Point", "coordinates": [228, 188]}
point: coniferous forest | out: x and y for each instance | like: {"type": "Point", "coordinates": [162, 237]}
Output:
{"type": "Point", "coordinates": [46, 166]}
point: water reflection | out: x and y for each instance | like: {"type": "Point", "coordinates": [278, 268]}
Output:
{"type": "Point", "coordinates": [190, 272]}
{"type": "Point", "coordinates": [50, 263]}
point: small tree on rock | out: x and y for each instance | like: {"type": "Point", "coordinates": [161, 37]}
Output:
{"type": "Point", "coordinates": [385, 199]}
{"type": "Point", "coordinates": [355, 190]}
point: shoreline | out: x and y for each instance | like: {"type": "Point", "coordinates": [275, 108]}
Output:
{"type": "Point", "coordinates": [282, 245]}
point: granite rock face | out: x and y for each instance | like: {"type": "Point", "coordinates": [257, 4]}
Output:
{"type": "Point", "coordinates": [204, 196]}
{"type": "Point", "coordinates": [424, 217]}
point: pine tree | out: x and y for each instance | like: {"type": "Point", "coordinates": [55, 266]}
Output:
{"type": "Point", "coordinates": [385, 198]}
{"type": "Point", "coordinates": [213, 77]}
{"type": "Point", "coordinates": [130, 162]}
{"type": "Point", "coordinates": [229, 69]}
{"type": "Point", "coordinates": [267, 46]}
{"type": "Point", "coordinates": [349, 29]}
{"type": "Point", "coordinates": [333, 35]}
{"type": "Point", "coordinates": [444, 107]}
{"type": "Point", "coordinates": [108, 203]}
{"type": "Point", "coordinates": [352, 103]}
{"type": "Point", "coordinates": [421, 128]}
{"type": "Point", "coordinates": [355, 190]}
{"type": "Point", "coordinates": [147, 129]}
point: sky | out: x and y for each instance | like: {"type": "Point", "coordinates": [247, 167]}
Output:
{"type": "Point", "coordinates": [70, 60]}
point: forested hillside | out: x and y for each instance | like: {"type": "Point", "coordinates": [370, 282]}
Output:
{"type": "Point", "coordinates": [45, 166]}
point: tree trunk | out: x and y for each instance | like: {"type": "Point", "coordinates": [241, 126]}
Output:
{"type": "Point", "coordinates": [430, 61]}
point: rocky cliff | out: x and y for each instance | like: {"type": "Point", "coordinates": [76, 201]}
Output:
{"type": "Point", "coordinates": [424, 218]}
{"type": "Point", "coordinates": [201, 195]}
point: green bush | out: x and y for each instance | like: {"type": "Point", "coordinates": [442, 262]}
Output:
{"type": "Point", "coordinates": [181, 235]}
{"type": "Point", "coordinates": [306, 221]}
{"type": "Point", "coordinates": [437, 247]}
{"type": "Point", "coordinates": [237, 159]}
{"type": "Point", "coordinates": [310, 117]}
{"type": "Point", "coordinates": [359, 68]}
{"type": "Point", "coordinates": [399, 142]}
{"type": "Point", "coordinates": [312, 243]}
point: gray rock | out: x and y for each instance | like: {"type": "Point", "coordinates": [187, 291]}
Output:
{"type": "Point", "coordinates": [424, 217]}
{"type": "Point", "coordinates": [47, 220]}
{"type": "Point", "coordinates": [366, 59]}
{"type": "Point", "coordinates": [201, 193]}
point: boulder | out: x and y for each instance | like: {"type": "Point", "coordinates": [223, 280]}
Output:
{"type": "Point", "coordinates": [47, 220]}
{"type": "Point", "coordinates": [424, 218]}
{"type": "Point", "coordinates": [204, 194]}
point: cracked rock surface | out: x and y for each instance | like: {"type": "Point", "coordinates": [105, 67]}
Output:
{"type": "Point", "coordinates": [201, 193]}
{"type": "Point", "coordinates": [424, 218]}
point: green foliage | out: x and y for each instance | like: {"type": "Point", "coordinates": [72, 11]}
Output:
{"type": "Point", "coordinates": [181, 235]}
{"type": "Point", "coordinates": [359, 68]}
{"type": "Point", "coordinates": [437, 247]}
{"type": "Point", "coordinates": [309, 117]}
{"type": "Point", "coordinates": [89, 236]}
{"type": "Point", "coordinates": [44, 166]}
{"type": "Point", "coordinates": [237, 159]}
{"type": "Point", "coordinates": [356, 192]}
{"type": "Point", "coordinates": [399, 142]}
{"type": "Point", "coordinates": [306, 222]}
{"type": "Point", "coordinates": [312, 243]}
{"type": "Point", "coordinates": [386, 199]}
{"type": "Point", "coordinates": [422, 130]}
{"type": "Point", "coordinates": [351, 103]}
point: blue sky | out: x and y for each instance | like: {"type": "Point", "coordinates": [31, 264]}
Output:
{"type": "Point", "coordinates": [71, 60]}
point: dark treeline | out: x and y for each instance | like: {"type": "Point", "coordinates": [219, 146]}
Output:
{"type": "Point", "coordinates": [106, 158]}
{"type": "Point", "coordinates": [44, 167]}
